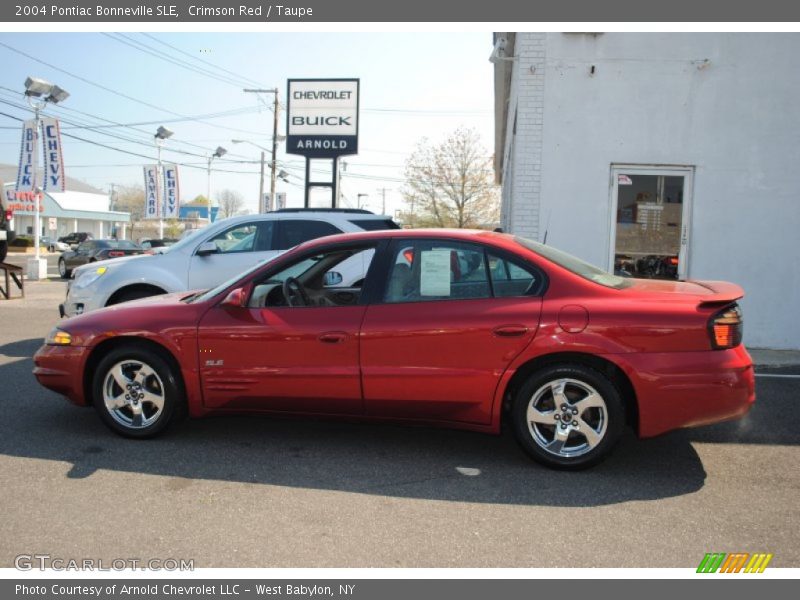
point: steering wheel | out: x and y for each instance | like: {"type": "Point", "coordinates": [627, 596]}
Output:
{"type": "Point", "coordinates": [292, 291]}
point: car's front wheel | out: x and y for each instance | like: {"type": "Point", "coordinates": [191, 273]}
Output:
{"type": "Point", "coordinates": [62, 269]}
{"type": "Point", "coordinates": [136, 392]}
{"type": "Point", "coordinates": [568, 416]}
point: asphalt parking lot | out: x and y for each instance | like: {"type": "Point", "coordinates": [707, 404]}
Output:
{"type": "Point", "coordinates": [261, 492]}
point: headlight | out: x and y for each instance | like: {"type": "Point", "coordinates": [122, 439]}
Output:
{"type": "Point", "coordinates": [58, 337]}
{"type": "Point", "coordinates": [87, 278]}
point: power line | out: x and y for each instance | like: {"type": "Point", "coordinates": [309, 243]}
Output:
{"type": "Point", "coordinates": [116, 92]}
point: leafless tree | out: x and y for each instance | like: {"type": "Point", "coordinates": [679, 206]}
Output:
{"type": "Point", "coordinates": [231, 203]}
{"type": "Point", "coordinates": [130, 199]}
{"type": "Point", "coordinates": [450, 184]}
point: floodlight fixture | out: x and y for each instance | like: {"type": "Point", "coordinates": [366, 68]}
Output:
{"type": "Point", "coordinates": [162, 133]}
{"type": "Point", "coordinates": [36, 87]}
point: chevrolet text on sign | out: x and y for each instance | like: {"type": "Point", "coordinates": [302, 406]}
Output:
{"type": "Point", "coordinates": [322, 117]}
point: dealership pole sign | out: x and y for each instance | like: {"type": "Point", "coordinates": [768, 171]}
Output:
{"type": "Point", "coordinates": [152, 192]}
{"type": "Point", "coordinates": [171, 191]}
{"type": "Point", "coordinates": [28, 163]}
{"type": "Point", "coordinates": [322, 117]}
{"type": "Point", "coordinates": [54, 180]}
{"type": "Point", "coordinates": [322, 123]}
{"type": "Point", "coordinates": [161, 192]}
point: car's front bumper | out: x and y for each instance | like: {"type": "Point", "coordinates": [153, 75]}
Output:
{"type": "Point", "coordinates": [60, 368]}
{"type": "Point", "coordinates": [687, 389]}
{"type": "Point", "coordinates": [80, 300]}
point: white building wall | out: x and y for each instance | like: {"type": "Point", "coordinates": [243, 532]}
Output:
{"type": "Point", "coordinates": [726, 104]}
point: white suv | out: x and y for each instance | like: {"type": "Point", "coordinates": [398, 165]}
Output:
{"type": "Point", "coordinates": [214, 254]}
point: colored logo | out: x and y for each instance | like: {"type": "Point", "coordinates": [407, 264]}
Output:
{"type": "Point", "coordinates": [719, 562]}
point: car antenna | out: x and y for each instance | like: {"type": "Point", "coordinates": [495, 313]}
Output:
{"type": "Point", "coordinates": [547, 227]}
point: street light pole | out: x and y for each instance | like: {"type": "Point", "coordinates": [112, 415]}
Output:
{"type": "Point", "coordinates": [261, 184]}
{"type": "Point", "coordinates": [273, 175]}
{"type": "Point", "coordinates": [220, 151]}
{"type": "Point", "coordinates": [159, 143]}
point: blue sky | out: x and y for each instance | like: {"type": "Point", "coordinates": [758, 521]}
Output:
{"type": "Point", "coordinates": [412, 85]}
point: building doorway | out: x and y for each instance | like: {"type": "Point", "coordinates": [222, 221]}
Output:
{"type": "Point", "coordinates": [650, 213]}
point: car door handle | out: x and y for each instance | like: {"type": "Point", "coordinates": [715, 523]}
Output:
{"type": "Point", "coordinates": [333, 337]}
{"type": "Point", "coordinates": [510, 331]}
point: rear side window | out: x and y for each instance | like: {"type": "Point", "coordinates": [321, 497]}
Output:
{"type": "Point", "coordinates": [293, 232]}
{"type": "Point", "coordinates": [423, 271]}
{"type": "Point", "coordinates": [510, 278]}
{"type": "Point", "coordinates": [375, 224]}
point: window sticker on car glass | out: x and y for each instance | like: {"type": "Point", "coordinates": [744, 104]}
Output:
{"type": "Point", "coordinates": [434, 279]}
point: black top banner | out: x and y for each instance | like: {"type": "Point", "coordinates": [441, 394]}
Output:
{"type": "Point", "coordinates": [338, 11]}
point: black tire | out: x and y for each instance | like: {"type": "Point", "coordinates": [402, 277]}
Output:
{"type": "Point", "coordinates": [134, 294]}
{"type": "Point", "coordinates": [63, 270]}
{"type": "Point", "coordinates": [163, 379]}
{"type": "Point", "coordinates": [581, 448]}
{"type": "Point", "coordinates": [3, 251]}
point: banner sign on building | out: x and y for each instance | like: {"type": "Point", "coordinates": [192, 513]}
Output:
{"type": "Point", "coordinates": [54, 180]}
{"type": "Point", "coordinates": [152, 193]}
{"type": "Point", "coordinates": [28, 162]}
{"type": "Point", "coordinates": [171, 192]}
{"type": "Point", "coordinates": [322, 117]}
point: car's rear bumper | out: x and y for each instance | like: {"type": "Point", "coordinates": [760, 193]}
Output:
{"type": "Point", "coordinates": [60, 368]}
{"type": "Point", "coordinates": [686, 389]}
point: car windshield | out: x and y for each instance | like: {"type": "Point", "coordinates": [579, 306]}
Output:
{"type": "Point", "coordinates": [576, 265]}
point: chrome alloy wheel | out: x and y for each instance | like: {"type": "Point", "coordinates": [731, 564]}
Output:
{"type": "Point", "coordinates": [567, 417]}
{"type": "Point", "coordinates": [133, 394]}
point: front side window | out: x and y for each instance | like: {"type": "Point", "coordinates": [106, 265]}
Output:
{"type": "Point", "coordinates": [247, 237]}
{"type": "Point", "coordinates": [307, 282]}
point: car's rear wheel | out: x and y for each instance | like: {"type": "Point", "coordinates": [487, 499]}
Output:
{"type": "Point", "coordinates": [568, 416]}
{"type": "Point", "coordinates": [3, 251]}
{"type": "Point", "coordinates": [62, 269]}
{"type": "Point", "coordinates": [136, 392]}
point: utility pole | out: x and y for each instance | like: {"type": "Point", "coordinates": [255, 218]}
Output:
{"type": "Point", "coordinates": [275, 110]}
{"type": "Point", "coordinates": [383, 199]}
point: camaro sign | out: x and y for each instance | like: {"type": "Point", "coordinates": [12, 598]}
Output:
{"type": "Point", "coordinates": [322, 117]}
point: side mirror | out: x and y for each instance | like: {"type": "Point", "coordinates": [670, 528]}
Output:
{"type": "Point", "coordinates": [207, 248]}
{"type": "Point", "coordinates": [236, 298]}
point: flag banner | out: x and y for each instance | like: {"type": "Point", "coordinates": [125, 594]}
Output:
{"type": "Point", "coordinates": [28, 163]}
{"type": "Point", "coordinates": [171, 191]}
{"type": "Point", "coordinates": [280, 198]}
{"type": "Point", "coordinates": [152, 193]}
{"type": "Point", "coordinates": [54, 180]}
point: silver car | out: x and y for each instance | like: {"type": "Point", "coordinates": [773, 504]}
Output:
{"type": "Point", "coordinates": [216, 253]}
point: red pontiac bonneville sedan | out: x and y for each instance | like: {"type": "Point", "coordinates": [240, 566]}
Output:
{"type": "Point", "coordinates": [452, 328]}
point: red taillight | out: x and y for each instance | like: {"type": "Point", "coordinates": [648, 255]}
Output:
{"type": "Point", "coordinates": [9, 215]}
{"type": "Point", "coordinates": [725, 328]}
{"type": "Point", "coordinates": [673, 260]}
{"type": "Point", "coordinates": [408, 255]}
{"type": "Point", "coordinates": [115, 253]}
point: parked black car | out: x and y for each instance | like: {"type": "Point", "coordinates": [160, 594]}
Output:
{"type": "Point", "coordinates": [78, 237]}
{"type": "Point", "coordinates": [157, 243]}
{"type": "Point", "coordinates": [93, 251]}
